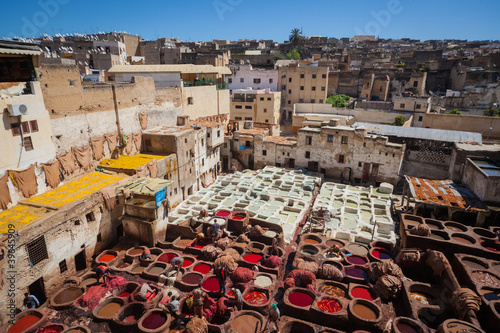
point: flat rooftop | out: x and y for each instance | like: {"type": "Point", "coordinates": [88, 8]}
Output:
{"type": "Point", "coordinates": [145, 186]}
{"type": "Point", "coordinates": [182, 69]}
{"type": "Point", "coordinates": [129, 162]}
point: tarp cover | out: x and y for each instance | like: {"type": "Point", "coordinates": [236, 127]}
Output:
{"type": "Point", "coordinates": [97, 148]}
{"type": "Point", "coordinates": [109, 195]}
{"type": "Point", "coordinates": [68, 162]}
{"type": "Point", "coordinates": [137, 137]}
{"type": "Point", "coordinates": [160, 196]}
{"type": "Point", "coordinates": [83, 156]}
{"type": "Point", "coordinates": [112, 140]}
{"type": "Point", "coordinates": [143, 120]}
{"type": "Point", "coordinates": [25, 181]}
{"type": "Point", "coordinates": [52, 173]}
{"type": "Point", "coordinates": [5, 198]}
{"type": "Point", "coordinates": [128, 148]}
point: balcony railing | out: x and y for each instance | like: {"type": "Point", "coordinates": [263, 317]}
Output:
{"type": "Point", "coordinates": [221, 85]}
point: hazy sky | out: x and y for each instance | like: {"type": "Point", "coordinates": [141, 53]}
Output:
{"type": "Point", "coordinates": [198, 20]}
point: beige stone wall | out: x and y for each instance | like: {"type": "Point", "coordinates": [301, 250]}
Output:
{"type": "Point", "coordinates": [290, 83]}
{"type": "Point", "coordinates": [479, 124]}
{"type": "Point", "coordinates": [200, 101]}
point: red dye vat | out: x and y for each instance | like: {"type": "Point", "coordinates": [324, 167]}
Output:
{"type": "Point", "coordinates": [125, 294]}
{"type": "Point", "coordinates": [202, 268]}
{"type": "Point", "coordinates": [187, 262]}
{"type": "Point", "coordinates": [199, 246]}
{"type": "Point", "coordinates": [211, 284]}
{"type": "Point", "coordinates": [329, 305]}
{"type": "Point", "coordinates": [356, 273]}
{"type": "Point", "coordinates": [356, 260]}
{"type": "Point", "coordinates": [489, 246]}
{"type": "Point", "coordinates": [222, 214]}
{"type": "Point", "coordinates": [166, 257]}
{"type": "Point", "coordinates": [381, 255]}
{"type": "Point", "coordinates": [51, 329]}
{"type": "Point", "coordinates": [256, 298]}
{"type": "Point", "coordinates": [129, 319]}
{"type": "Point", "coordinates": [253, 258]}
{"type": "Point", "coordinates": [22, 324]}
{"type": "Point", "coordinates": [238, 218]}
{"type": "Point", "coordinates": [300, 299]}
{"type": "Point", "coordinates": [107, 257]}
{"type": "Point", "coordinates": [360, 292]}
{"type": "Point", "coordinates": [154, 321]}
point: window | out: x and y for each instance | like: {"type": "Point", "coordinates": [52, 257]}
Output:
{"type": "Point", "coordinates": [242, 80]}
{"type": "Point", "coordinates": [344, 139]}
{"type": "Point", "coordinates": [265, 110]}
{"type": "Point", "coordinates": [381, 89]}
{"type": "Point", "coordinates": [238, 118]}
{"type": "Point", "coordinates": [90, 217]}
{"type": "Point", "coordinates": [270, 80]}
{"type": "Point", "coordinates": [264, 153]}
{"type": "Point", "coordinates": [330, 138]}
{"type": "Point", "coordinates": [62, 266]}
{"type": "Point", "coordinates": [323, 88]}
{"type": "Point", "coordinates": [99, 237]}
{"type": "Point", "coordinates": [360, 164]}
{"type": "Point", "coordinates": [283, 87]}
{"type": "Point", "coordinates": [27, 143]}
{"type": "Point", "coordinates": [313, 101]}
{"type": "Point", "coordinates": [262, 98]}
{"type": "Point", "coordinates": [37, 250]}
{"type": "Point", "coordinates": [321, 101]}
{"type": "Point", "coordinates": [283, 76]}
{"type": "Point", "coordinates": [314, 76]}
{"type": "Point", "coordinates": [323, 76]}
{"type": "Point", "coordinates": [266, 120]}
{"type": "Point", "coordinates": [26, 127]}
{"type": "Point", "coordinates": [415, 84]}
{"type": "Point", "coordinates": [34, 126]}
{"type": "Point", "coordinates": [341, 158]}
{"type": "Point", "coordinates": [218, 133]}
{"type": "Point", "coordinates": [248, 107]}
{"type": "Point", "coordinates": [72, 83]}
{"type": "Point", "coordinates": [308, 154]}
{"type": "Point", "coordinates": [175, 191]}
{"type": "Point", "coordinates": [247, 144]}
{"type": "Point", "coordinates": [185, 140]}
{"type": "Point", "coordinates": [301, 76]}
{"type": "Point", "coordinates": [225, 144]}
{"type": "Point", "coordinates": [301, 87]}
{"type": "Point", "coordinates": [289, 91]}
{"type": "Point", "coordinates": [229, 80]}
{"type": "Point", "coordinates": [256, 81]}
{"type": "Point", "coordinates": [202, 142]}
{"type": "Point", "coordinates": [313, 88]}
{"type": "Point", "coordinates": [238, 107]}
{"type": "Point", "coordinates": [16, 129]}
{"type": "Point", "coordinates": [269, 98]}
{"type": "Point", "coordinates": [301, 100]}
{"type": "Point", "coordinates": [248, 118]}
{"type": "Point", "coordinates": [368, 84]}
{"type": "Point", "coordinates": [289, 79]}
{"type": "Point", "coordinates": [419, 106]}
{"type": "Point", "coordinates": [202, 162]}
{"type": "Point", "coordinates": [402, 105]}
{"type": "Point", "coordinates": [190, 100]}
{"type": "Point", "coordinates": [420, 118]}
{"type": "Point", "coordinates": [289, 102]}
{"type": "Point", "coordinates": [364, 144]}
{"type": "Point", "coordinates": [309, 140]}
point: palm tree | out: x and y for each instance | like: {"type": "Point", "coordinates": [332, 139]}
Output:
{"type": "Point", "coordinates": [295, 36]}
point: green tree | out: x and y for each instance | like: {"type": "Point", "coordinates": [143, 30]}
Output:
{"type": "Point", "coordinates": [492, 112]}
{"type": "Point", "coordinates": [294, 55]}
{"type": "Point", "coordinates": [338, 100]}
{"type": "Point", "coordinates": [399, 121]}
{"type": "Point", "coordinates": [295, 37]}
{"type": "Point", "coordinates": [454, 111]}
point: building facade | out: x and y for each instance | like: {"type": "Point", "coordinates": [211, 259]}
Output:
{"type": "Point", "coordinates": [255, 105]}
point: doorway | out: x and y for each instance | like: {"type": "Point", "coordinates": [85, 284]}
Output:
{"type": "Point", "coordinates": [37, 288]}
{"type": "Point", "coordinates": [80, 261]}
{"type": "Point", "coordinates": [119, 231]}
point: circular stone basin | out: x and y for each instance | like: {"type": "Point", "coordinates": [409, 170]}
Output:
{"type": "Point", "coordinates": [357, 249]}
{"type": "Point", "coordinates": [124, 294]}
{"type": "Point", "coordinates": [252, 258]}
{"type": "Point", "coordinates": [156, 270]}
{"type": "Point", "coordinates": [135, 252]}
{"type": "Point", "coordinates": [124, 265]}
{"type": "Point", "coordinates": [486, 278]}
{"type": "Point", "coordinates": [68, 295]}
{"type": "Point", "coordinates": [222, 213]}
{"type": "Point", "coordinates": [434, 225]}
{"type": "Point", "coordinates": [330, 290]}
{"type": "Point", "coordinates": [166, 257]}
{"type": "Point", "coordinates": [460, 327]}
{"type": "Point", "coordinates": [88, 281]}
{"type": "Point", "coordinates": [329, 305]}
{"type": "Point", "coordinates": [356, 260]}
{"type": "Point", "coordinates": [362, 292]}
{"type": "Point", "coordinates": [464, 239]}
{"type": "Point", "coordinates": [24, 323]}
{"type": "Point", "coordinates": [491, 246]}
{"type": "Point", "coordinates": [246, 324]}
{"type": "Point", "coordinates": [311, 241]}
{"type": "Point", "coordinates": [107, 258]}
{"type": "Point", "coordinates": [405, 328]}
{"type": "Point", "coordinates": [421, 297]}
{"type": "Point", "coordinates": [211, 284]}
{"type": "Point", "coordinates": [380, 254]}
{"type": "Point", "coordinates": [187, 262]}
{"type": "Point", "coordinates": [356, 273]}
{"type": "Point", "coordinates": [455, 226]}
{"type": "Point", "coordinates": [256, 298]}
{"type": "Point", "coordinates": [299, 298]}
{"type": "Point", "coordinates": [109, 310]}
{"type": "Point", "coordinates": [238, 216]}
{"type": "Point", "coordinates": [263, 281]}
{"type": "Point", "coordinates": [202, 268]}
{"type": "Point", "coordinates": [309, 250]}
{"type": "Point", "coordinates": [484, 233]}
{"type": "Point", "coordinates": [192, 278]}
{"type": "Point", "coordinates": [364, 312]}
{"type": "Point", "coordinates": [437, 236]}
{"type": "Point", "coordinates": [474, 264]}
{"type": "Point", "coordinates": [54, 328]}
{"type": "Point", "coordinates": [154, 321]}
{"type": "Point", "coordinates": [490, 294]}
{"type": "Point", "coordinates": [138, 269]}
{"type": "Point", "coordinates": [332, 242]}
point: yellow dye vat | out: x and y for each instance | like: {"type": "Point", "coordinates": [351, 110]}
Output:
{"type": "Point", "coordinates": [129, 162]}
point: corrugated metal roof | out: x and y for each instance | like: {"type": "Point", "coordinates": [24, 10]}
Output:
{"type": "Point", "coordinates": [19, 51]}
{"type": "Point", "coordinates": [183, 69]}
{"type": "Point", "coordinates": [422, 133]}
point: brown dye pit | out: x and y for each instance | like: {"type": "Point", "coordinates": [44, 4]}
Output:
{"type": "Point", "coordinates": [452, 228]}
{"type": "Point", "coordinates": [124, 265]}
{"type": "Point", "coordinates": [88, 282]}
{"type": "Point", "coordinates": [486, 278]}
{"type": "Point", "coordinates": [135, 252]}
{"type": "Point", "coordinates": [364, 312]}
{"type": "Point", "coordinates": [246, 324]}
{"type": "Point", "coordinates": [357, 249]}
{"type": "Point", "coordinates": [109, 310]}
{"type": "Point", "coordinates": [156, 270]}
{"type": "Point", "coordinates": [438, 237]}
{"type": "Point", "coordinates": [332, 242]}
{"type": "Point", "coordinates": [405, 328]}
{"type": "Point", "coordinates": [473, 264]}
{"type": "Point", "coordinates": [462, 239]}
{"type": "Point", "coordinates": [311, 241]}
{"type": "Point", "coordinates": [183, 242]}
{"type": "Point", "coordinates": [68, 295]}
{"type": "Point", "coordinates": [332, 291]}
{"type": "Point", "coordinates": [138, 269]}
{"type": "Point", "coordinates": [496, 268]}
{"type": "Point", "coordinates": [460, 328]}
{"type": "Point", "coordinates": [240, 244]}
{"type": "Point", "coordinates": [255, 249]}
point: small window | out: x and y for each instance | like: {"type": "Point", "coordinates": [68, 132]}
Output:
{"type": "Point", "coordinates": [238, 107]}
{"type": "Point", "coordinates": [302, 76]}
{"type": "Point", "coordinates": [323, 76]}
{"type": "Point", "coordinates": [364, 144]}
{"type": "Point", "coordinates": [185, 140]}
{"type": "Point", "coordinates": [90, 217]}
{"type": "Point", "coordinates": [265, 110]}
{"type": "Point", "coordinates": [190, 100]}
{"type": "Point", "coordinates": [289, 102]}
{"type": "Point", "coordinates": [402, 105]}
{"type": "Point", "coordinates": [314, 76]}
{"type": "Point", "coordinates": [283, 76]}
{"type": "Point", "coordinates": [28, 144]}
{"type": "Point", "coordinates": [266, 120]}
{"type": "Point", "coordinates": [16, 129]}
{"type": "Point", "coordinates": [99, 237]}
{"type": "Point", "coordinates": [62, 266]}
{"type": "Point", "coordinates": [218, 133]}
{"type": "Point", "coordinates": [202, 142]}
{"type": "Point", "coordinates": [330, 138]}
{"type": "Point", "coordinates": [420, 118]}
{"type": "Point", "coordinates": [262, 98]}
{"type": "Point", "coordinates": [229, 80]}
{"type": "Point", "coordinates": [202, 162]}
{"type": "Point", "coordinates": [26, 127]}
{"type": "Point", "coordinates": [301, 87]}
{"type": "Point", "coordinates": [415, 84]}
{"type": "Point", "coordinates": [308, 154]}
{"type": "Point", "coordinates": [270, 80]}
{"type": "Point", "coordinates": [71, 83]}
{"type": "Point", "coordinates": [360, 164]}
{"type": "Point", "coordinates": [248, 107]}
{"type": "Point", "coordinates": [175, 191]}
{"type": "Point", "coordinates": [248, 118]}
{"type": "Point", "coordinates": [289, 79]}
{"type": "Point", "coordinates": [419, 106]}
{"type": "Point", "coordinates": [225, 144]}
{"type": "Point", "coordinates": [256, 81]}
{"type": "Point", "coordinates": [313, 88]}
{"type": "Point", "coordinates": [283, 153]}
{"type": "Point", "coordinates": [313, 101]}
{"type": "Point", "coordinates": [381, 89]}
{"type": "Point", "coordinates": [238, 118]}
{"type": "Point", "coordinates": [37, 250]}
{"type": "Point", "coordinates": [344, 139]}
{"type": "Point", "coordinates": [269, 98]}
{"type": "Point", "coordinates": [321, 101]}
{"type": "Point", "coordinates": [341, 158]}
{"type": "Point", "coordinates": [283, 87]}
{"type": "Point", "coordinates": [248, 144]}
{"type": "Point", "coordinates": [323, 88]}
{"type": "Point", "coordinates": [264, 153]}
{"type": "Point", "coordinates": [289, 91]}
{"type": "Point", "coordinates": [301, 100]}
{"type": "Point", "coordinates": [242, 80]}
{"type": "Point", "coordinates": [34, 126]}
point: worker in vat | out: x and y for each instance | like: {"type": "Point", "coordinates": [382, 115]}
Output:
{"type": "Point", "coordinates": [274, 246]}
{"type": "Point", "coordinates": [177, 262]}
{"type": "Point", "coordinates": [215, 231]}
{"type": "Point", "coordinates": [30, 301]}
{"type": "Point", "coordinates": [102, 271]}
{"type": "Point", "coordinates": [220, 273]}
{"type": "Point", "coordinates": [199, 238]}
{"type": "Point", "coordinates": [274, 317]}
{"type": "Point", "coordinates": [236, 298]}
{"type": "Point", "coordinates": [335, 252]}
{"type": "Point", "coordinates": [146, 254]}
{"type": "Point", "coordinates": [198, 296]}
{"type": "Point", "coordinates": [145, 292]}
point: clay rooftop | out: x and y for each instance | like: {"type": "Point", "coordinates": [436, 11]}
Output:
{"type": "Point", "coordinates": [281, 140]}
{"type": "Point", "coordinates": [172, 130]}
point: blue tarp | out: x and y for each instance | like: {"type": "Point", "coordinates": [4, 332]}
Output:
{"type": "Point", "coordinates": [160, 196]}
{"type": "Point", "coordinates": [243, 148]}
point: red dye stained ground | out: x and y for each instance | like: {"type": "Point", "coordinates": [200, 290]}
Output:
{"type": "Point", "coordinates": [202, 268]}
{"type": "Point", "coordinates": [187, 262]}
{"type": "Point", "coordinates": [107, 257]}
{"type": "Point", "coordinates": [329, 305]}
{"type": "Point", "coordinates": [154, 321]}
{"type": "Point", "coordinates": [380, 254]}
{"type": "Point", "coordinates": [23, 323]}
{"type": "Point", "coordinates": [222, 214]}
{"type": "Point", "coordinates": [300, 299]}
{"type": "Point", "coordinates": [256, 298]}
{"type": "Point", "coordinates": [253, 258]}
{"type": "Point", "coordinates": [211, 284]}
{"type": "Point", "coordinates": [166, 257]}
{"type": "Point", "coordinates": [363, 293]}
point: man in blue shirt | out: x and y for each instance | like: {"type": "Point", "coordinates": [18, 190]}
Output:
{"type": "Point", "coordinates": [30, 301]}
{"type": "Point", "coordinates": [215, 231]}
